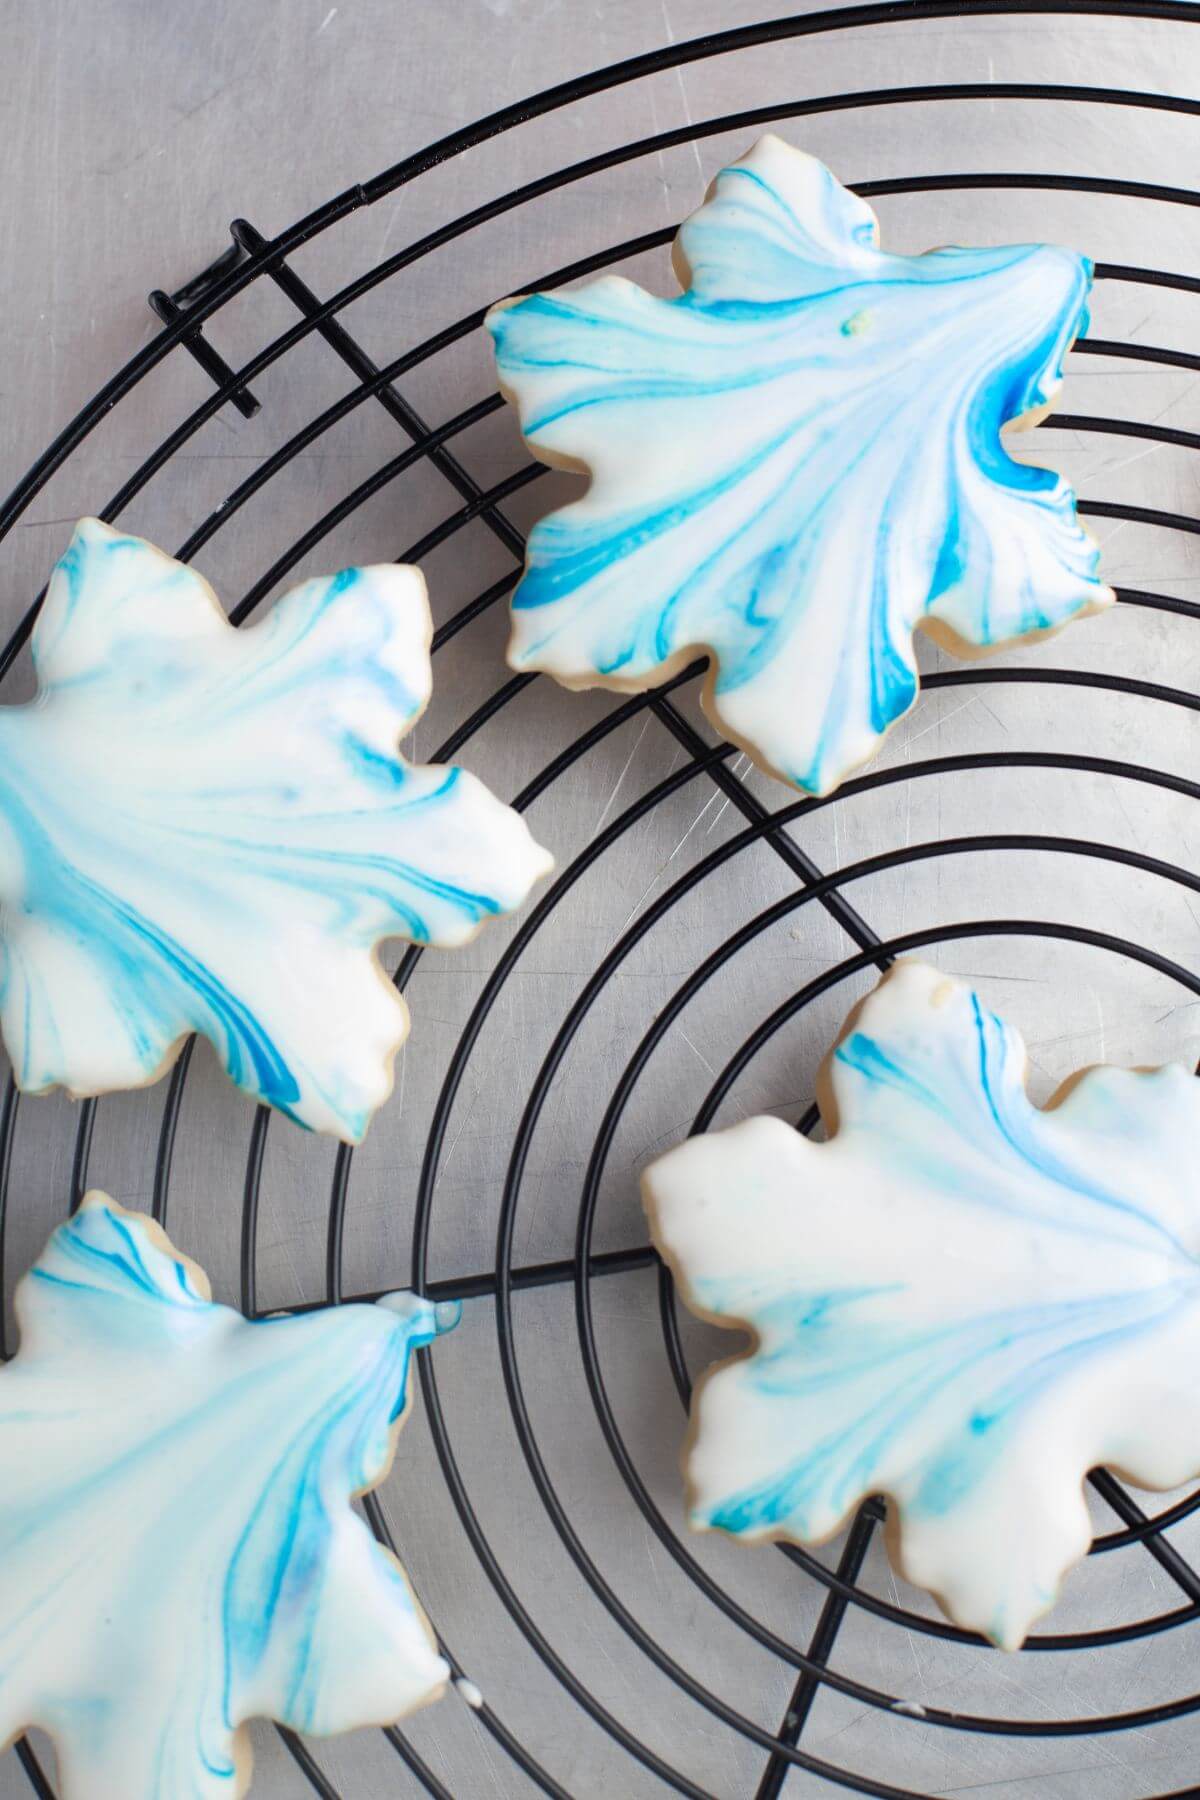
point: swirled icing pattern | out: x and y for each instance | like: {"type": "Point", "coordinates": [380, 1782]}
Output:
{"type": "Point", "coordinates": [794, 463]}
{"type": "Point", "coordinates": [177, 1549]}
{"type": "Point", "coordinates": [961, 1301]}
{"type": "Point", "coordinates": [207, 830]}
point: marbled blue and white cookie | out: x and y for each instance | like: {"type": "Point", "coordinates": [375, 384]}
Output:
{"type": "Point", "coordinates": [178, 1553]}
{"type": "Point", "coordinates": [794, 464]}
{"type": "Point", "coordinates": [208, 830]}
{"type": "Point", "coordinates": [961, 1301]}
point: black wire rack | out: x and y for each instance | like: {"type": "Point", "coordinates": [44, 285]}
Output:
{"type": "Point", "coordinates": [252, 258]}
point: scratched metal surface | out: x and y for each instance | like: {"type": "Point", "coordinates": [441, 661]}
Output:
{"type": "Point", "coordinates": [132, 133]}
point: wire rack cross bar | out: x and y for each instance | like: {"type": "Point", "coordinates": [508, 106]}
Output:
{"type": "Point", "coordinates": [820, 1649]}
{"type": "Point", "coordinates": [338, 337]}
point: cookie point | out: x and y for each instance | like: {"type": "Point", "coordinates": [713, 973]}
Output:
{"type": "Point", "coordinates": [413, 1308]}
{"type": "Point", "coordinates": [446, 1315]}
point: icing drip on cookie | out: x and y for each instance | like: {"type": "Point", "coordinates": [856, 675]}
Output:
{"type": "Point", "coordinates": [961, 1300]}
{"type": "Point", "coordinates": [795, 463]}
{"type": "Point", "coordinates": [177, 1549]}
{"type": "Point", "coordinates": [209, 830]}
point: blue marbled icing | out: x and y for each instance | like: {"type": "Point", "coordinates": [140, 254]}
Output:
{"type": "Point", "coordinates": [177, 1549]}
{"type": "Point", "coordinates": [207, 830]}
{"type": "Point", "coordinates": [962, 1300]}
{"type": "Point", "coordinates": [794, 463]}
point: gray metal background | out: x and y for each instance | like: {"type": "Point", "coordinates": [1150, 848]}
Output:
{"type": "Point", "coordinates": [132, 130]}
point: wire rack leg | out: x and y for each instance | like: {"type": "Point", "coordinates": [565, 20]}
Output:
{"type": "Point", "coordinates": [820, 1649]}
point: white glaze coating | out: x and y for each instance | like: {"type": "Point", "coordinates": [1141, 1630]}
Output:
{"type": "Point", "coordinates": [177, 1549]}
{"type": "Point", "coordinates": [795, 463]}
{"type": "Point", "coordinates": [962, 1301]}
{"type": "Point", "coordinates": [210, 830]}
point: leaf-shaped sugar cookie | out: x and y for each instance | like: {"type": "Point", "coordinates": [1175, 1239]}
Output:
{"type": "Point", "coordinates": [208, 830]}
{"type": "Point", "coordinates": [178, 1553]}
{"type": "Point", "coordinates": [962, 1301]}
{"type": "Point", "coordinates": [794, 464]}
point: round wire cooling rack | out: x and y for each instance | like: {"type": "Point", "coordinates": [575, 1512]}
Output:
{"type": "Point", "coordinates": [811, 1662]}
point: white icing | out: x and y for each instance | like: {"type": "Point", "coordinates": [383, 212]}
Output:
{"type": "Point", "coordinates": [210, 830]}
{"type": "Point", "coordinates": [177, 1549]}
{"type": "Point", "coordinates": [795, 463]}
{"type": "Point", "coordinates": [962, 1301]}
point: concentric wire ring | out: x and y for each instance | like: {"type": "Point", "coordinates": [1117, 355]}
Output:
{"type": "Point", "coordinates": [703, 763]}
